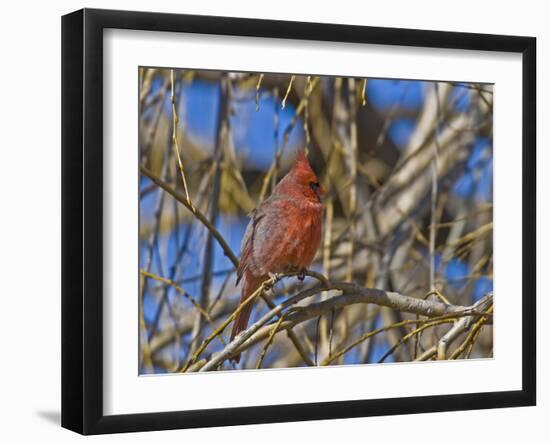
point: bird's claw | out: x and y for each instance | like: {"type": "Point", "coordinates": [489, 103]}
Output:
{"type": "Point", "coordinates": [301, 274]}
{"type": "Point", "coordinates": [275, 276]}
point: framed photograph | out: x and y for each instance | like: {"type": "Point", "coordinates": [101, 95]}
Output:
{"type": "Point", "coordinates": [270, 221]}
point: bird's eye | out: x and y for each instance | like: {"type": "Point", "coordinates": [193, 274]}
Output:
{"type": "Point", "coordinates": [314, 185]}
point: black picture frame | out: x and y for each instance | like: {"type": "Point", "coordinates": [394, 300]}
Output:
{"type": "Point", "coordinates": [82, 219]}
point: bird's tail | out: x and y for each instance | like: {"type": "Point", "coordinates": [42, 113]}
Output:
{"type": "Point", "coordinates": [250, 284]}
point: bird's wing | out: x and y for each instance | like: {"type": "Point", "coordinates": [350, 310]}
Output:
{"type": "Point", "coordinates": [247, 242]}
{"type": "Point", "coordinates": [273, 225]}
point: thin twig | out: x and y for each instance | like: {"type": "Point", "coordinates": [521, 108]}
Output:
{"type": "Point", "coordinates": [363, 92]}
{"type": "Point", "coordinates": [269, 341]}
{"type": "Point", "coordinates": [175, 136]}
{"type": "Point", "coordinates": [459, 327]}
{"type": "Point", "coordinates": [283, 103]}
{"type": "Point", "coordinates": [470, 339]}
{"type": "Point", "coordinates": [179, 289]}
{"type": "Point", "coordinates": [228, 320]}
{"type": "Point", "coordinates": [260, 78]}
{"type": "Point", "coordinates": [196, 212]}
{"type": "Point", "coordinates": [374, 332]}
{"type": "Point", "coordinates": [271, 174]}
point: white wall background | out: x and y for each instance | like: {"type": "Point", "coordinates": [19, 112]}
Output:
{"type": "Point", "coordinates": [30, 188]}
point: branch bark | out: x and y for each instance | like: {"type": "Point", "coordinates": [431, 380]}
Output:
{"type": "Point", "coordinates": [351, 293]}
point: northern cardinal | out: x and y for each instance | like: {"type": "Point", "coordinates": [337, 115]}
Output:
{"type": "Point", "coordinates": [283, 234]}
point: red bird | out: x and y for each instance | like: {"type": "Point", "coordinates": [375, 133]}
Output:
{"type": "Point", "coordinates": [283, 234]}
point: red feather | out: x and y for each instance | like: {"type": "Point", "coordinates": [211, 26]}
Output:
{"type": "Point", "coordinates": [283, 234]}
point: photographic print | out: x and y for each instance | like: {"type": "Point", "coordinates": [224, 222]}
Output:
{"type": "Point", "coordinates": [297, 220]}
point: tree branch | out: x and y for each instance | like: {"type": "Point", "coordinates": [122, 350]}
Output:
{"type": "Point", "coordinates": [351, 293]}
{"type": "Point", "coordinates": [196, 212]}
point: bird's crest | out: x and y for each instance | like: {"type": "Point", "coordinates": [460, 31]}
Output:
{"type": "Point", "coordinates": [302, 162]}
